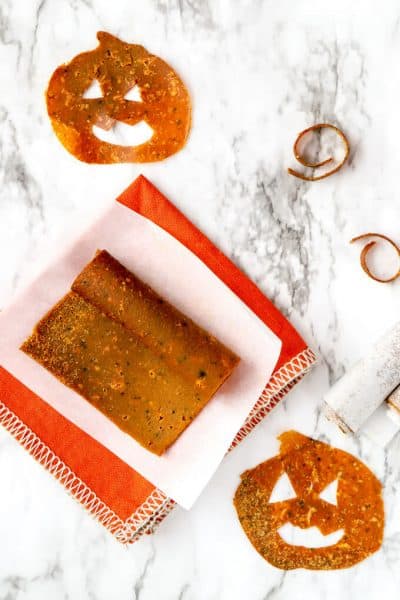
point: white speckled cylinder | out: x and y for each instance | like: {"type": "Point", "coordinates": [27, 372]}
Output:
{"type": "Point", "coordinates": [357, 395]}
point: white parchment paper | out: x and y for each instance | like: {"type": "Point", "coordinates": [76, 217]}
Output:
{"type": "Point", "coordinates": [180, 277]}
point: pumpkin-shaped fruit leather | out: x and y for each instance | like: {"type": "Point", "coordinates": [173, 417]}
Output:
{"type": "Point", "coordinates": [118, 67]}
{"type": "Point", "coordinates": [311, 466]}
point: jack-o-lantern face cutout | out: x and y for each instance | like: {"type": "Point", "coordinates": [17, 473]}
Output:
{"type": "Point", "coordinates": [355, 517]}
{"type": "Point", "coordinates": [118, 68]}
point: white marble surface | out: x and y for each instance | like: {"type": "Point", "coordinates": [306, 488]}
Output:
{"type": "Point", "coordinates": [259, 72]}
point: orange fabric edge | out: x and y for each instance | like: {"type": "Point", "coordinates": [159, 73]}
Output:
{"type": "Point", "coordinates": [117, 484]}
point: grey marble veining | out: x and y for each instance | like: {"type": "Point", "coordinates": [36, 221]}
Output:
{"type": "Point", "coordinates": [258, 72]}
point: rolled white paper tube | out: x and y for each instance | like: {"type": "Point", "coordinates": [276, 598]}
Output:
{"type": "Point", "coordinates": [367, 384]}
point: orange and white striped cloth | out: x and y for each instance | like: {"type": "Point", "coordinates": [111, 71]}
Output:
{"type": "Point", "coordinates": [120, 498]}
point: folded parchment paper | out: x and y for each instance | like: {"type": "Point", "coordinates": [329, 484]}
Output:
{"type": "Point", "coordinates": [184, 280]}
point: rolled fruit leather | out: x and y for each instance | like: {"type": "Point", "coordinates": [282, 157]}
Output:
{"type": "Point", "coordinates": [367, 397]}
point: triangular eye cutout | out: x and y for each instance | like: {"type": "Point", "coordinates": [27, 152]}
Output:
{"type": "Point", "coordinates": [134, 94]}
{"type": "Point", "coordinates": [93, 91]}
{"type": "Point", "coordinates": [329, 494]}
{"type": "Point", "coordinates": [283, 490]}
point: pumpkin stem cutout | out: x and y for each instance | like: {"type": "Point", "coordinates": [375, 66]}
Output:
{"type": "Point", "coordinates": [356, 515]}
{"type": "Point", "coordinates": [117, 67]}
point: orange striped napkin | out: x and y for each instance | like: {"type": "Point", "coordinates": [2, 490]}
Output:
{"type": "Point", "coordinates": [120, 498]}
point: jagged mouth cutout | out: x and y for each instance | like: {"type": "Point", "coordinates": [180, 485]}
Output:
{"type": "Point", "coordinates": [117, 132]}
{"type": "Point", "coordinates": [309, 537]}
